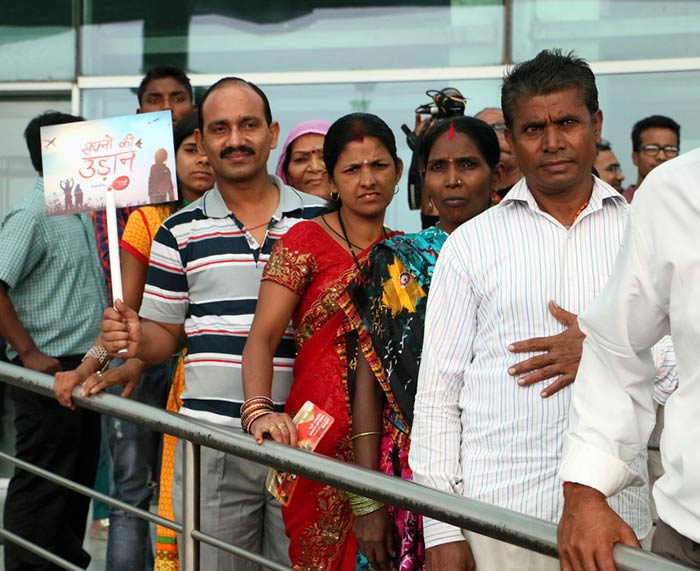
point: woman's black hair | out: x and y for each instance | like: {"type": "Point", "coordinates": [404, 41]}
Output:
{"type": "Point", "coordinates": [481, 133]}
{"type": "Point", "coordinates": [355, 127]}
{"type": "Point", "coordinates": [185, 127]}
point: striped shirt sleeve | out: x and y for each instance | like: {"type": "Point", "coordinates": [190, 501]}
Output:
{"type": "Point", "coordinates": [449, 335]}
{"type": "Point", "coordinates": [666, 380]}
{"type": "Point", "coordinates": [166, 295]}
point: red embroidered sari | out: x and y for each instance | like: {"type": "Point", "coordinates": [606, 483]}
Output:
{"type": "Point", "coordinates": [313, 265]}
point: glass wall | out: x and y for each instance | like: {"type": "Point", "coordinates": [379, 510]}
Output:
{"type": "Point", "coordinates": [122, 37]}
{"type": "Point", "coordinates": [16, 172]}
{"type": "Point", "coordinates": [37, 42]}
{"type": "Point", "coordinates": [601, 30]}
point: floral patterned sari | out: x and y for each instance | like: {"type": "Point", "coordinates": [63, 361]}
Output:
{"type": "Point", "coordinates": [310, 263]}
{"type": "Point", "coordinates": [386, 306]}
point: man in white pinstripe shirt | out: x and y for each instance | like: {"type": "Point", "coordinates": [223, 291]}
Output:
{"type": "Point", "coordinates": [476, 432]}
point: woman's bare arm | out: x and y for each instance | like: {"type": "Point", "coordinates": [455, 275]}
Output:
{"type": "Point", "coordinates": [274, 310]}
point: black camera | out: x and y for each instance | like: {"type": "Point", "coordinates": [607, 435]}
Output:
{"type": "Point", "coordinates": [447, 102]}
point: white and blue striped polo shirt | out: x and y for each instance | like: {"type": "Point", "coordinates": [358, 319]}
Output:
{"type": "Point", "coordinates": [205, 271]}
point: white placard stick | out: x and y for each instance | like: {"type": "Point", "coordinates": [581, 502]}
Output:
{"type": "Point", "coordinates": [113, 246]}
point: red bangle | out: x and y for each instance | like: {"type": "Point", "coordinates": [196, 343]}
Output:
{"type": "Point", "coordinates": [250, 419]}
{"type": "Point", "coordinates": [253, 408]}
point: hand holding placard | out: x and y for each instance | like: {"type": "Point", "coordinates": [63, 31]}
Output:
{"type": "Point", "coordinates": [120, 330]}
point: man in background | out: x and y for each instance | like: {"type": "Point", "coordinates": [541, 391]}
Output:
{"type": "Point", "coordinates": [166, 87]}
{"type": "Point", "coordinates": [608, 166]}
{"type": "Point", "coordinates": [52, 295]}
{"type": "Point", "coordinates": [655, 140]}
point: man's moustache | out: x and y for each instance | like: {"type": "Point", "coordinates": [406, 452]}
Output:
{"type": "Point", "coordinates": [228, 150]}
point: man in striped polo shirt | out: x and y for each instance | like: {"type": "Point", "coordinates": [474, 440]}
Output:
{"type": "Point", "coordinates": [203, 280]}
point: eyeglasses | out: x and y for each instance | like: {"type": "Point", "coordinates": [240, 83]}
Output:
{"type": "Point", "coordinates": [499, 127]}
{"type": "Point", "coordinates": [653, 150]}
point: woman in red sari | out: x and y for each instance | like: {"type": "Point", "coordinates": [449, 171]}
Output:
{"type": "Point", "coordinates": [307, 270]}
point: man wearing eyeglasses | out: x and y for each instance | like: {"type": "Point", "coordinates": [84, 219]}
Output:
{"type": "Point", "coordinates": [655, 140]}
{"type": "Point", "coordinates": [608, 166]}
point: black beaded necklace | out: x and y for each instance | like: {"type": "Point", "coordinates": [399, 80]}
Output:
{"type": "Point", "coordinates": [348, 242]}
{"type": "Point", "coordinates": [323, 217]}
{"type": "Point", "coordinates": [345, 237]}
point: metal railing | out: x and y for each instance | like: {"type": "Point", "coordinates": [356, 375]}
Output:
{"type": "Point", "coordinates": [501, 524]}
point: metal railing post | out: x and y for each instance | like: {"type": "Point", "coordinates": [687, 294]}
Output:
{"type": "Point", "coordinates": [190, 505]}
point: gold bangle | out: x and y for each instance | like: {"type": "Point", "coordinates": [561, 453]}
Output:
{"type": "Point", "coordinates": [362, 506]}
{"type": "Point", "coordinates": [370, 433]}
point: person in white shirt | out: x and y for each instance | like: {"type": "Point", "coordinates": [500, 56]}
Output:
{"type": "Point", "coordinates": [652, 291]}
{"type": "Point", "coordinates": [476, 432]}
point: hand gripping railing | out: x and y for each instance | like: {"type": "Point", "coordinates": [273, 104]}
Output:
{"type": "Point", "coordinates": [505, 525]}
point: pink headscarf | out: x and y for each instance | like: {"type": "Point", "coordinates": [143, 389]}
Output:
{"type": "Point", "coordinates": [315, 126]}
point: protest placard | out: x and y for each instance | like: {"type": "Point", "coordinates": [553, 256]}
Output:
{"type": "Point", "coordinates": [132, 155]}
{"type": "Point", "coordinates": [109, 164]}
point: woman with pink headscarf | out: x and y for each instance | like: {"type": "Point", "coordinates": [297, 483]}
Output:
{"type": "Point", "coordinates": [301, 162]}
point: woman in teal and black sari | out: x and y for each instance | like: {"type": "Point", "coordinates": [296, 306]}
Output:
{"type": "Point", "coordinates": [386, 306]}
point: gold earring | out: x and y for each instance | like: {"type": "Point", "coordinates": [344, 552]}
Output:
{"type": "Point", "coordinates": [430, 203]}
{"type": "Point", "coordinates": [396, 190]}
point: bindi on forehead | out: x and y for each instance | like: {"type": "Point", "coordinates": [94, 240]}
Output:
{"type": "Point", "coordinates": [359, 131]}
{"type": "Point", "coordinates": [452, 131]}
{"type": "Point", "coordinates": [315, 151]}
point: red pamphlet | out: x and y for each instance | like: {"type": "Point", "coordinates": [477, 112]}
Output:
{"type": "Point", "coordinates": [312, 423]}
